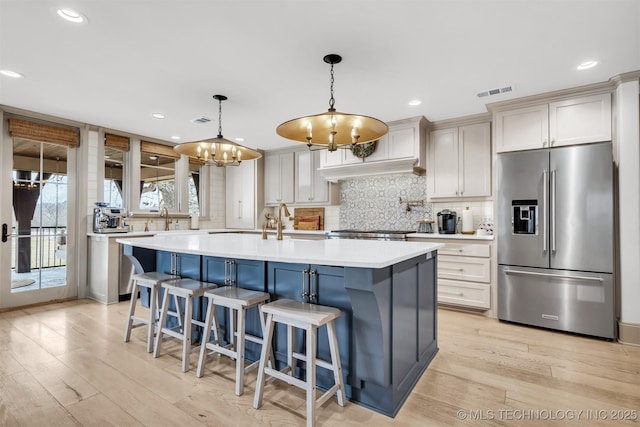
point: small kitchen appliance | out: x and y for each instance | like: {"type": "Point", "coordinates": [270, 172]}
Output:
{"type": "Point", "coordinates": [109, 220]}
{"type": "Point", "coordinates": [425, 226]}
{"type": "Point", "coordinates": [447, 222]}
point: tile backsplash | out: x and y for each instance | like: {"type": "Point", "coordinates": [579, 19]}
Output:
{"type": "Point", "coordinates": [374, 203]}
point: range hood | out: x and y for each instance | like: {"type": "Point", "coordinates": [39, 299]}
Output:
{"type": "Point", "coordinates": [364, 169]}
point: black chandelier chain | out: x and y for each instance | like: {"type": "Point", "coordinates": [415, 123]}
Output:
{"type": "Point", "coordinates": [332, 101]}
{"type": "Point", "coordinates": [219, 118]}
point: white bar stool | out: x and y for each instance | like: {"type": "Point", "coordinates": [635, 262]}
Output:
{"type": "Point", "coordinates": [310, 317]}
{"type": "Point", "coordinates": [187, 289]}
{"type": "Point", "coordinates": [237, 300]}
{"type": "Point", "coordinates": [140, 279]}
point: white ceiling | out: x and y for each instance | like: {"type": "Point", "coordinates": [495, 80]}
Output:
{"type": "Point", "coordinates": [137, 57]}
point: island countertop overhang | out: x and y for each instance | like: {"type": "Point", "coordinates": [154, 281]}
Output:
{"type": "Point", "coordinates": [332, 252]}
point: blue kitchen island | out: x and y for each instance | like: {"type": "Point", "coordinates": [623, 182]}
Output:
{"type": "Point", "coordinates": [386, 290]}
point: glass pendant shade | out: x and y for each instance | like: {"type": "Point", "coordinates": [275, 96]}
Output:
{"type": "Point", "coordinates": [218, 151]}
{"type": "Point", "coordinates": [333, 129]}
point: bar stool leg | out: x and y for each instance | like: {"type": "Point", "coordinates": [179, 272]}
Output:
{"type": "Point", "coordinates": [132, 310]}
{"type": "Point", "coordinates": [240, 351]}
{"type": "Point", "coordinates": [263, 326]}
{"type": "Point", "coordinates": [161, 322]}
{"type": "Point", "coordinates": [335, 360]}
{"type": "Point", "coordinates": [152, 317]}
{"type": "Point", "coordinates": [266, 347]}
{"type": "Point", "coordinates": [311, 375]}
{"type": "Point", "coordinates": [291, 342]}
{"type": "Point", "coordinates": [186, 330]}
{"type": "Point", "coordinates": [209, 323]}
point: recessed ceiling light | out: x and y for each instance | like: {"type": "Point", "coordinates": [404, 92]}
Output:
{"type": "Point", "coordinates": [239, 139]}
{"type": "Point", "coordinates": [175, 137]}
{"type": "Point", "coordinates": [158, 116]}
{"type": "Point", "coordinates": [10, 73]}
{"type": "Point", "coordinates": [586, 65]}
{"type": "Point", "coordinates": [415, 102]}
{"type": "Point", "coordinates": [71, 16]}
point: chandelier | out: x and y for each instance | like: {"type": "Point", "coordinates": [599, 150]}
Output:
{"type": "Point", "coordinates": [333, 129]}
{"type": "Point", "coordinates": [218, 151]}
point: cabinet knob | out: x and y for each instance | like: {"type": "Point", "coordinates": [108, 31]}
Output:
{"type": "Point", "coordinates": [553, 141]}
{"type": "Point", "coordinates": [544, 142]}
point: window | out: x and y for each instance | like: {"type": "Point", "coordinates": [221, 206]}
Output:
{"type": "Point", "coordinates": [193, 184]}
{"type": "Point", "coordinates": [158, 185]}
{"type": "Point", "coordinates": [113, 174]}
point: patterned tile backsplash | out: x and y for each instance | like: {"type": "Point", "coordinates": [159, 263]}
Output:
{"type": "Point", "coordinates": [374, 202]}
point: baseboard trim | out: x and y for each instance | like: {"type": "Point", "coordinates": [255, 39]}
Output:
{"type": "Point", "coordinates": [629, 333]}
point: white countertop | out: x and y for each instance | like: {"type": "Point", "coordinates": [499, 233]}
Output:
{"type": "Point", "coordinates": [334, 252]}
{"type": "Point", "coordinates": [449, 236]}
{"type": "Point", "coordinates": [204, 231]}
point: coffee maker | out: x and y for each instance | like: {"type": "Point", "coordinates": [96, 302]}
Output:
{"type": "Point", "coordinates": [447, 222]}
{"type": "Point", "coordinates": [109, 220]}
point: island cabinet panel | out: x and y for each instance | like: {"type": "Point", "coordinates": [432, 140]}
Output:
{"type": "Point", "coordinates": [394, 324]}
{"type": "Point", "coordinates": [317, 284]}
{"type": "Point", "coordinates": [243, 273]}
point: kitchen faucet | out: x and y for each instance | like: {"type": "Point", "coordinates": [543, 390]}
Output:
{"type": "Point", "coordinates": [286, 212]}
{"type": "Point", "coordinates": [165, 213]}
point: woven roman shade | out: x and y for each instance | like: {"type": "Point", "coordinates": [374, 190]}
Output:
{"type": "Point", "coordinates": [159, 149]}
{"type": "Point", "coordinates": [193, 161]}
{"type": "Point", "coordinates": [116, 141]}
{"type": "Point", "coordinates": [39, 132]}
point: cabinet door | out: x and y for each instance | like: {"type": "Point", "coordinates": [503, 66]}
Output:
{"type": "Point", "coordinates": [474, 160]}
{"type": "Point", "coordinates": [240, 193]}
{"type": "Point", "coordinates": [328, 284]}
{"type": "Point", "coordinates": [522, 128]}
{"type": "Point", "coordinates": [402, 143]}
{"type": "Point", "coordinates": [287, 177]}
{"type": "Point", "coordinates": [310, 187]}
{"type": "Point", "coordinates": [272, 183]}
{"type": "Point", "coordinates": [581, 120]}
{"type": "Point", "coordinates": [443, 162]}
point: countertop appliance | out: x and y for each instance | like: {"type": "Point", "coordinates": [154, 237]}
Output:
{"type": "Point", "coordinates": [369, 234]}
{"type": "Point", "coordinates": [109, 220]}
{"type": "Point", "coordinates": [556, 238]}
{"type": "Point", "coordinates": [447, 221]}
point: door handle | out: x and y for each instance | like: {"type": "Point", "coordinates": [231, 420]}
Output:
{"type": "Point", "coordinates": [304, 293]}
{"type": "Point", "coordinates": [553, 211]}
{"type": "Point", "coordinates": [545, 181]}
{"type": "Point", "coordinates": [556, 276]}
{"type": "Point", "coordinates": [312, 278]}
{"type": "Point", "coordinates": [5, 232]}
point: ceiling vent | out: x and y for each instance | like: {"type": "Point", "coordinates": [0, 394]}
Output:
{"type": "Point", "coordinates": [497, 91]}
{"type": "Point", "coordinates": [201, 119]}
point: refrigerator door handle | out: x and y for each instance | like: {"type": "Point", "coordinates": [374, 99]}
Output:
{"type": "Point", "coordinates": [545, 182]}
{"type": "Point", "coordinates": [553, 211]}
{"type": "Point", "coordinates": [559, 276]}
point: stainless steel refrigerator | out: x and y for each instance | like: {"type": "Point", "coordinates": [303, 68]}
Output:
{"type": "Point", "coordinates": [556, 238]}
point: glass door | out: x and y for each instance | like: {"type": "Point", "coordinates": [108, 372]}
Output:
{"type": "Point", "coordinates": [36, 213]}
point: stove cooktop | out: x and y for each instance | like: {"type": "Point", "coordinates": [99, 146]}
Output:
{"type": "Point", "coordinates": [375, 231]}
{"type": "Point", "coordinates": [369, 234]}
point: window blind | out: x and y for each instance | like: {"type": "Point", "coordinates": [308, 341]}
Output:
{"type": "Point", "coordinates": [40, 132]}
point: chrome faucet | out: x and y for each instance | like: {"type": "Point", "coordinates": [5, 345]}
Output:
{"type": "Point", "coordinates": [286, 212]}
{"type": "Point", "coordinates": [165, 213]}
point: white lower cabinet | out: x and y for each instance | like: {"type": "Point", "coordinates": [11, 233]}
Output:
{"type": "Point", "coordinates": [464, 273]}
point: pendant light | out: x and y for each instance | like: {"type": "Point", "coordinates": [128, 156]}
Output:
{"type": "Point", "coordinates": [218, 151]}
{"type": "Point", "coordinates": [333, 129]}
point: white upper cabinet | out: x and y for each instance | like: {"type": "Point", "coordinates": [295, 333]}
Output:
{"type": "Point", "coordinates": [460, 162]}
{"type": "Point", "coordinates": [572, 121]}
{"type": "Point", "coordinates": [240, 195]}
{"type": "Point", "coordinates": [278, 178]}
{"type": "Point", "coordinates": [310, 187]}
{"type": "Point", "coordinates": [579, 121]}
{"type": "Point", "coordinates": [402, 150]}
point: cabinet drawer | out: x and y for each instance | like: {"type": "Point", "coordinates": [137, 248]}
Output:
{"type": "Point", "coordinates": [468, 294]}
{"type": "Point", "coordinates": [466, 249]}
{"type": "Point", "coordinates": [464, 268]}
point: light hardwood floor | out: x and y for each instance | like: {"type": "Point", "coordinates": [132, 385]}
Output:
{"type": "Point", "coordinates": [66, 364]}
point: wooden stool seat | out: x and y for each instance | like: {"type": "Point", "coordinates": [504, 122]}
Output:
{"type": "Point", "coordinates": [187, 289]}
{"type": "Point", "coordinates": [151, 281]}
{"type": "Point", "coordinates": [296, 314]}
{"type": "Point", "coordinates": [238, 300]}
